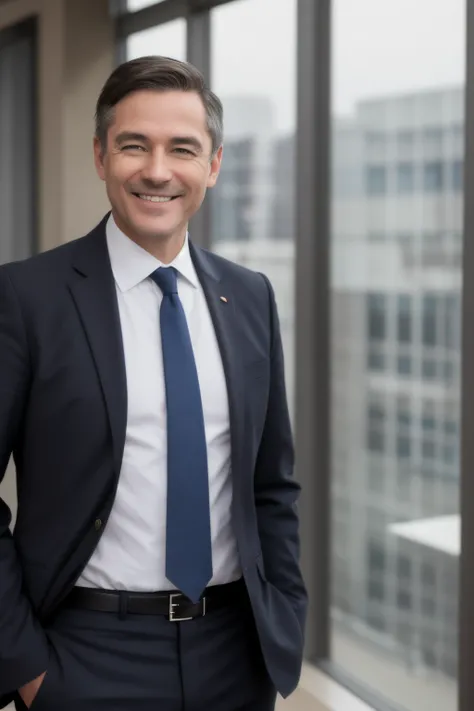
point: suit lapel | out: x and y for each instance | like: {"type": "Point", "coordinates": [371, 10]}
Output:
{"type": "Point", "coordinates": [225, 321]}
{"type": "Point", "coordinates": [93, 289]}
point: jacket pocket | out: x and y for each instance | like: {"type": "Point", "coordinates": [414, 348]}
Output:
{"type": "Point", "coordinates": [43, 691]}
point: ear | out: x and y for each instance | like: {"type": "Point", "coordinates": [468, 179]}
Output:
{"type": "Point", "coordinates": [99, 158]}
{"type": "Point", "coordinates": [215, 168]}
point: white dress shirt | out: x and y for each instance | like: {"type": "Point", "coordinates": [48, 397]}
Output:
{"type": "Point", "coordinates": [131, 552]}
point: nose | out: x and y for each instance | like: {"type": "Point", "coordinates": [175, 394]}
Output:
{"type": "Point", "coordinates": [156, 168]}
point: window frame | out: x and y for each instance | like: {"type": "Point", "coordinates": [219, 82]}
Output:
{"type": "Point", "coordinates": [313, 311]}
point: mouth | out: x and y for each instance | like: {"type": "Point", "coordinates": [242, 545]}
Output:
{"type": "Point", "coordinates": [160, 199]}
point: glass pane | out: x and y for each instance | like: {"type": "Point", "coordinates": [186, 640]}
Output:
{"type": "Point", "coordinates": [168, 39]}
{"type": "Point", "coordinates": [253, 202]}
{"type": "Point", "coordinates": [134, 5]}
{"type": "Point", "coordinates": [397, 152]}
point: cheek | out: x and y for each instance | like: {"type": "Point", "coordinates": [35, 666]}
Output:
{"type": "Point", "coordinates": [122, 173]}
{"type": "Point", "coordinates": [200, 179]}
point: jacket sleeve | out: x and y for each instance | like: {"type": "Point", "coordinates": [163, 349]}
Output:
{"type": "Point", "coordinates": [23, 643]}
{"type": "Point", "coordinates": [276, 490]}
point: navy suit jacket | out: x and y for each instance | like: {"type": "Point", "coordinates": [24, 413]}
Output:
{"type": "Point", "coordinates": [63, 413]}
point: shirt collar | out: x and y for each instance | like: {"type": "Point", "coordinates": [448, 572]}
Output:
{"type": "Point", "coordinates": [131, 264]}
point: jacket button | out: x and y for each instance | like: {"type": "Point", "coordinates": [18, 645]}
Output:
{"type": "Point", "coordinates": [98, 524]}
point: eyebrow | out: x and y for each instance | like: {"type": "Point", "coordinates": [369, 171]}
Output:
{"type": "Point", "coordinates": [131, 136]}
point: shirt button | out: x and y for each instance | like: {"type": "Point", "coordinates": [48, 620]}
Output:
{"type": "Point", "coordinates": [98, 524]}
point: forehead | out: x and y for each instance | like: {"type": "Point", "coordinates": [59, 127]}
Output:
{"type": "Point", "coordinates": [155, 113]}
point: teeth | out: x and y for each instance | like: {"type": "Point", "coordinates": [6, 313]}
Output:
{"type": "Point", "coordinates": [154, 198]}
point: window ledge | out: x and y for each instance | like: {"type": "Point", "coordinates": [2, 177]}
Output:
{"type": "Point", "coordinates": [315, 686]}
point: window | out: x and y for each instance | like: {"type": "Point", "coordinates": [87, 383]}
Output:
{"type": "Point", "coordinates": [376, 361]}
{"type": "Point", "coordinates": [405, 139]}
{"type": "Point", "coordinates": [434, 177]}
{"type": "Point", "coordinates": [458, 175]}
{"type": "Point", "coordinates": [376, 413]}
{"type": "Point", "coordinates": [428, 606]}
{"type": "Point", "coordinates": [404, 567]}
{"type": "Point", "coordinates": [405, 178]}
{"type": "Point", "coordinates": [376, 477]}
{"type": "Point", "coordinates": [375, 139]}
{"type": "Point", "coordinates": [404, 600]}
{"type": "Point", "coordinates": [433, 136]}
{"type": "Point", "coordinates": [450, 454]}
{"type": "Point", "coordinates": [376, 440]}
{"type": "Point", "coordinates": [428, 449]}
{"type": "Point", "coordinates": [428, 421]}
{"type": "Point", "coordinates": [376, 557]}
{"type": "Point", "coordinates": [375, 424]}
{"type": "Point", "coordinates": [428, 575]}
{"type": "Point", "coordinates": [376, 591]}
{"type": "Point", "coordinates": [403, 411]}
{"type": "Point", "coordinates": [451, 321]}
{"type": "Point", "coordinates": [428, 368]}
{"type": "Point", "coordinates": [397, 132]}
{"type": "Point", "coordinates": [376, 180]}
{"type": "Point", "coordinates": [168, 40]}
{"type": "Point", "coordinates": [405, 314]}
{"type": "Point", "coordinates": [376, 306]}
{"type": "Point", "coordinates": [451, 427]}
{"type": "Point", "coordinates": [399, 332]}
{"type": "Point", "coordinates": [404, 365]}
{"type": "Point", "coordinates": [252, 205]}
{"type": "Point", "coordinates": [403, 447]}
{"type": "Point", "coordinates": [429, 319]}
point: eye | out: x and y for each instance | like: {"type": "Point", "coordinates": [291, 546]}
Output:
{"type": "Point", "coordinates": [184, 151]}
{"type": "Point", "coordinates": [132, 147]}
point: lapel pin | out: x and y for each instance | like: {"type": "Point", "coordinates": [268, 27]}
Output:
{"type": "Point", "coordinates": [222, 298]}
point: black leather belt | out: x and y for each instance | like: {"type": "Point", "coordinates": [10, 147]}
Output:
{"type": "Point", "coordinates": [175, 606]}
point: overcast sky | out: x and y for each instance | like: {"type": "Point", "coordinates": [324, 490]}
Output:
{"type": "Point", "coordinates": [380, 47]}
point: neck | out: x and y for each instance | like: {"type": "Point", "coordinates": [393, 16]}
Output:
{"type": "Point", "coordinates": [162, 248]}
{"type": "Point", "coordinates": [165, 248]}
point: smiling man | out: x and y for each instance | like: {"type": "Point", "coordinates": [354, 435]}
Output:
{"type": "Point", "coordinates": [154, 563]}
{"type": "Point", "coordinates": [157, 159]}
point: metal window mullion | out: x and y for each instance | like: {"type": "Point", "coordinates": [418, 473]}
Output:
{"type": "Point", "coordinates": [466, 587]}
{"type": "Point", "coordinates": [312, 312]}
{"type": "Point", "coordinates": [151, 16]}
{"type": "Point", "coordinates": [199, 5]}
{"type": "Point", "coordinates": [199, 54]}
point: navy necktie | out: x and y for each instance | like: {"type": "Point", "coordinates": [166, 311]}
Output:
{"type": "Point", "coordinates": [188, 527]}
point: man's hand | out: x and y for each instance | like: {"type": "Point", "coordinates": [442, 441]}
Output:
{"type": "Point", "coordinates": [29, 691]}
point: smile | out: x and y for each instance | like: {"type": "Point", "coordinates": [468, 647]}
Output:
{"type": "Point", "coordinates": [155, 198]}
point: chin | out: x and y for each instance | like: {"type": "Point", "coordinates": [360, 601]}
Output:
{"type": "Point", "coordinates": [157, 231]}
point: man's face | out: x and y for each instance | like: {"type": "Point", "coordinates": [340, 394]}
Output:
{"type": "Point", "coordinates": [158, 163]}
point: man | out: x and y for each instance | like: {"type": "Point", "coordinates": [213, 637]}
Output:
{"type": "Point", "coordinates": [154, 563]}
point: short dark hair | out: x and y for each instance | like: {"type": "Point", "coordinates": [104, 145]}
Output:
{"type": "Point", "coordinates": [156, 73]}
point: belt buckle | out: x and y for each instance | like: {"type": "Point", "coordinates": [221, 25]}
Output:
{"type": "Point", "coordinates": [172, 616]}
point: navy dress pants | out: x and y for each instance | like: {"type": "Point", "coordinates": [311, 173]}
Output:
{"type": "Point", "coordinates": [100, 661]}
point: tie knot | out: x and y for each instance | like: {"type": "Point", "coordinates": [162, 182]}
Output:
{"type": "Point", "coordinates": [167, 280]}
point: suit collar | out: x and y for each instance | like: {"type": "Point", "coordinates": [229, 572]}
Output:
{"type": "Point", "coordinates": [92, 257]}
{"type": "Point", "coordinates": [204, 262]}
{"type": "Point", "coordinates": [93, 290]}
